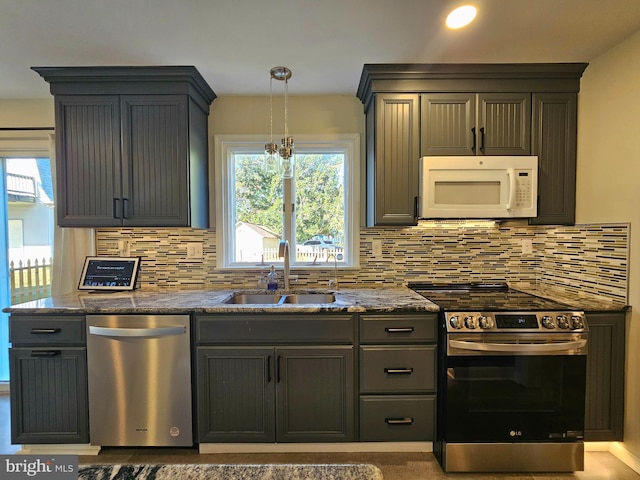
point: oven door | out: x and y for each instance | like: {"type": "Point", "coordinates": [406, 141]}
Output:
{"type": "Point", "coordinates": [512, 398]}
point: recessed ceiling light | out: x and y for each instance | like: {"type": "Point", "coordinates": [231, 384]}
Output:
{"type": "Point", "coordinates": [461, 17]}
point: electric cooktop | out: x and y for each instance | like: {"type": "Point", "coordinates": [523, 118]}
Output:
{"type": "Point", "coordinates": [483, 297]}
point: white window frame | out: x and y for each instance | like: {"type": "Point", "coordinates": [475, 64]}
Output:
{"type": "Point", "coordinates": [226, 145]}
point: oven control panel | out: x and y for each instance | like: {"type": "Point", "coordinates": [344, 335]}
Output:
{"type": "Point", "coordinates": [526, 322]}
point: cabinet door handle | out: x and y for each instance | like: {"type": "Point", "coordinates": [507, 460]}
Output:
{"type": "Point", "coordinates": [482, 139]}
{"type": "Point", "coordinates": [45, 353]}
{"type": "Point", "coordinates": [278, 369]}
{"type": "Point", "coordinates": [473, 137]}
{"type": "Point", "coordinates": [415, 207]}
{"type": "Point", "coordinates": [125, 208]}
{"type": "Point", "coordinates": [269, 369]}
{"type": "Point", "coordinates": [398, 371]}
{"type": "Point", "coordinates": [44, 331]}
{"type": "Point", "coordinates": [399, 421]}
{"type": "Point", "coordinates": [399, 329]}
{"type": "Point", "coordinates": [115, 207]}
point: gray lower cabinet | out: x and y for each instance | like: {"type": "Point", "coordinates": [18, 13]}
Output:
{"type": "Point", "coordinates": [604, 413]}
{"type": "Point", "coordinates": [295, 391]}
{"type": "Point", "coordinates": [48, 369]}
{"type": "Point", "coordinates": [398, 355]}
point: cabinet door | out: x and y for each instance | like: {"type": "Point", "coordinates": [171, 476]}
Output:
{"type": "Point", "coordinates": [155, 160]}
{"type": "Point", "coordinates": [393, 146]}
{"type": "Point", "coordinates": [88, 160]}
{"type": "Point", "coordinates": [315, 396]}
{"type": "Point", "coordinates": [448, 124]}
{"type": "Point", "coordinates": [49, 395]}
{"type": "Point", "coordinates": [604, 411]}
{"type": "Point", "coordinates": [554, 142]}
{"type": "Point", "coordinates": [504, 124]}
{"type": "Point", "coordinates": [235, 388]}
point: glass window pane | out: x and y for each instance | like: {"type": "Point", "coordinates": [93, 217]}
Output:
{"type": "Point", "coordinates": [258, 210]}
{"type": "Point", "coordinates": [320, 207]}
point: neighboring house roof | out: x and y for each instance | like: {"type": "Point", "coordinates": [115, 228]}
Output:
{"type": "Point", "coordinates": [44, 168]}
{"type": "Point", "coordinates": [259, 229]}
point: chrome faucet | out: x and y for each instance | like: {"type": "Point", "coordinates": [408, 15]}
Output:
{"type": "Point", "coordinates": [283, 251]}
{"type": "Point", "coordinates": [334, 283]}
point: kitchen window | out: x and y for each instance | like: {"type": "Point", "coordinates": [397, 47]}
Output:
{"type": "Point", "coordinates": [317, 210]}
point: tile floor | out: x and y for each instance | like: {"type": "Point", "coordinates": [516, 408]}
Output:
{"type": "Point", "coordinates": [394, 466]}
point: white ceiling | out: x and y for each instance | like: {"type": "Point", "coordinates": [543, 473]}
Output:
{"type": "Point", "coordinates": [234, 43]}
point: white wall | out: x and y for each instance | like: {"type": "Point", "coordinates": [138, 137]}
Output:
{"type": "Point", "coordinates": [608, 182]}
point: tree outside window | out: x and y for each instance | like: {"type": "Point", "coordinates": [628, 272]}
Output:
{"type": "Point", "coordinates": [317, 222]}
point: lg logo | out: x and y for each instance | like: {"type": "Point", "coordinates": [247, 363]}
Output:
{"type": "Point", "coordinates": [515, 433]}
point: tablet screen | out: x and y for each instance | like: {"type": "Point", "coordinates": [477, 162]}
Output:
{"type": "Point", "coordinates": [109, 273]}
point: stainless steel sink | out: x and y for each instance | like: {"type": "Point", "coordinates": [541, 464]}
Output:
{"type": "Point", "coordinates": [310, 298]}
{"type": "Point", "coordinates": [257, 298]}
{"type": "Point", "coordinates": [274, 299]}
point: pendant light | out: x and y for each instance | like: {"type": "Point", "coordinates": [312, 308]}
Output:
{"type": "Point", "coordinates": [280, 158]}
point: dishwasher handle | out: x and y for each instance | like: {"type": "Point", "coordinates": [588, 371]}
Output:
{"type": "Point", "coordinates": [137, 332]}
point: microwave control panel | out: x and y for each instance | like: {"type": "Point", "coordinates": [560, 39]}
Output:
{"type": "Point", "coordinates": [524, 195]}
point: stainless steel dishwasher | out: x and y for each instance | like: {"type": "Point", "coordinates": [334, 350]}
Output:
{"type": "Point", "coordinates": [139, 380]}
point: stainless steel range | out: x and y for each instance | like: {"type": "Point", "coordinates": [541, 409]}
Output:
{"type": "Point", "coordinates": [511, 380]}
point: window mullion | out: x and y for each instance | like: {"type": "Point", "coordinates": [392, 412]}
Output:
{"type": "Point", "coordinates": [288, 213]}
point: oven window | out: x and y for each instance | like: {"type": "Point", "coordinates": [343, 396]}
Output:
{"type": "Point", "coordinates": [494, 396]}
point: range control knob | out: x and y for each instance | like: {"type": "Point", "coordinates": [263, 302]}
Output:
{"type": "Point", "coordinates": [470, 322]}
{"type": "Point", "coordinates": [485, 322]}
{"type": "Point", "coordinates": [563, 321]}
{"type": "Point", "coordinates": [577, 322]}
{"type": "Point", "coordinates": [455, 322]}
{"type": "Point", "coordinates": [547, 322]}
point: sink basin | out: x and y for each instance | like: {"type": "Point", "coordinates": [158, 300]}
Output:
{"type": "Point", "coordinates": [310, 298]}
{"type": "Point", "coordinates": [274, 299]}
{"type": "Point", "coordinates": [258, 298]}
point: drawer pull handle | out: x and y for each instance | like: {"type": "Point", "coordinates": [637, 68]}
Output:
{"type": "Point", "coordinates": [41, 331]}
{"type": "Point", "coordinates": [399, 329]}
{"type": "Point", "coordinates": [399, 421]}
{"type": "Point", "coordinates": [46, 353]}
{"type": "Point", "coordinates": [399, 371]}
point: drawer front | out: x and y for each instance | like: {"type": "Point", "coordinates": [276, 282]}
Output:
{"type": "Point", "coordinates": [398, 418]}
{"type": "Point", "coordinates": [273, 329]}
{"type": "Point", "coordinates": [47, 330]}
{"type": "Point", "coordinates": [398, 328]}
{"type": "Point", "coordinates": [397, 369]}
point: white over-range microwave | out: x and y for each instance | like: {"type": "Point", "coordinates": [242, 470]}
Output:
{"type": "Point", "coordinates": [478, 187]}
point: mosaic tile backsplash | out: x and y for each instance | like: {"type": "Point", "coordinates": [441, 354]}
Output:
{"type": "Point", "coordinates": [585, 259]}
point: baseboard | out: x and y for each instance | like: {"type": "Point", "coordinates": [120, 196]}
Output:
{"type": "Point", "coordinates": [353, 447]}
{"type": "Point", "coordinates": [624, 455]}
{"type": "Point", "coordinates": [59, 449]}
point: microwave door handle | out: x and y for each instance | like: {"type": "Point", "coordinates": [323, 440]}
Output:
{"type": "Point", "coordinates": [512, 187]}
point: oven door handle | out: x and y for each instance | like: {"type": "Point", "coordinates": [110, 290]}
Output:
{"type": "Point", "coordinates": [518, 347]}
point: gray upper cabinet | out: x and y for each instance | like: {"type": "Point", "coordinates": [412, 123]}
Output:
{"type": "Point", "coordinates": [469, 109]}
{"type": "Point", "coordinates": [554, 142]}
{"type": "Point", "coordinates": [475, 124]}
{"type": "Point", "coordinates": [393, 145]}
{"type": "Point", "coordinates": [131, 145]}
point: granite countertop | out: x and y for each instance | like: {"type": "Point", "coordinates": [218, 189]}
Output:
{"type": "Point", "coordinates": [170, 301]}
{"type": "Point", "coordinates": [576, 300]}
